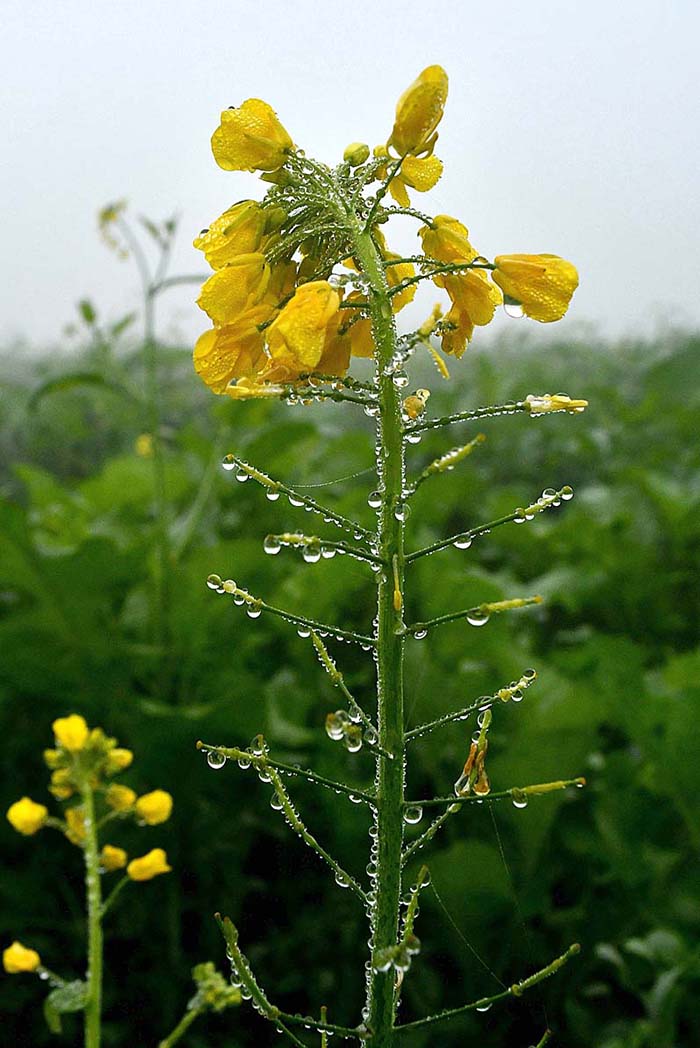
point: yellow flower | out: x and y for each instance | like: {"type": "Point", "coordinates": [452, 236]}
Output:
{"type": "Point", "coordinates": [419, 173]}
{"type": "Point", "coordinates": [17, 958]}
{"type": "Point", "coordinates": [250, 138]}
{"type": "Point", "coordinates": [154, 807]}
{"type": "Point", "coordinates": [226, 292]}
{"type": "Point", "coordinates": [447, 240]}
{"type": "Point", "coordinates": [144, 445]}
{"type": "Point", "coordinates": [541, 284]}
{"type": "Point", "coordinates": [419, 111]}
{"type": "Point", "coordinates": [61, 784]}
{"type": "Point", "coordinates": [148, 866]}
{"type": "Point", "coordinates": [75, 821]}
{"type": "Point", "coordinates": [474, 301]}
{"type": "Point", "coordinates": [232, 351]}
{"type": "Point", "coordinates": [71, 732]}
{"type": "Point", "coordinates": [118, 759]}
{"type": "Point", "coordinates": [120, 798]}
{"type": "Point", "coordinates": [112, 858]}
{"type": "Point", "coordinates": [237, 232]}
{"type": "Point", "coordinates": [26, 816]}
{"type": "Point", "coordinates": [297, 336]}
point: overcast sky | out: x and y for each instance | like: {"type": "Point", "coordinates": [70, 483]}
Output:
{"type": "Point", "coordinates": [571, 127]}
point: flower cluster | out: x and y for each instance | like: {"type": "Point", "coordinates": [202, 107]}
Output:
{"type": "Point", "coordinates": [281, 309]}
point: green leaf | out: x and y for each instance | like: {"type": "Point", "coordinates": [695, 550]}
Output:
{"type": "Point", "coordinates": [71, 997]}
{"type": "Point", "coordinates": [75, 381]}
{"type": "Point", "coordinates": [87, 311]}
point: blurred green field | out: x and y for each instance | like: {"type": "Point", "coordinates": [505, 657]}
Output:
{"type": "Point", "coordinates": [614, 866]}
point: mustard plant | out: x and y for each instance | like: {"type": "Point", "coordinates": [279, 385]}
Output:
{"type": "Point", "coordinates": [84, 764]}
{"type": "Point", "coordinates": [304, 281]}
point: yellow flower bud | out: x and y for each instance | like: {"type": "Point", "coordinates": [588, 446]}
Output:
{"type": "Point", "coordinates": [296, 338]}
{"type": "Point", "coordinates": [419, 111]}
{"type": "Point", "coordinates": [143, 445]}
{"type": "Point", "coordinates": [61, 784]}
{"type": "Point", "coordinates": [75, 821]}
{"type": "Point", "coordinates": [112, 858]}
{"type": "Point", "coordinates": [226, 292]}
{"type": "Point", "coordinates": [148, 866]}
{"type": "Point", "coordinates": [155, 807]}
{"type": "Point", "coordinates": [17, 958]}
{"type": "Point", "coordinates": [71, 732]}
{"type": "Point", "coordinates": [117, 760]}
{"type": "Point", "coordinates": [237, 232]}
{"type": "Point", "coordinates": [543, 403]}
{"type": "Point", "coordinates": [26, 816]}
{"type": "Point", "coordinates": [541, 284]}
{"type": "Point", "coordinates": [250, 138]}
{"type": "Point", "coordinates": [356, 153]}
{"type": "Point", "coordinates": [53, 758]}
{"type": "Point", "coordinates": [120, 798]}
{"type": "Point", "coordinates": [447, 240]}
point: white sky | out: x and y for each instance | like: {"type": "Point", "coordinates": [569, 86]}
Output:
{"type": "Point", "coordinates": [571, 127]}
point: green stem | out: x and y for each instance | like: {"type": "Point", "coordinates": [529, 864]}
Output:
{"type": "Point", "coordinates": [390, 645]}
{"type": "Point", "coordinates": [182, 1027]}
{"type": "Point", "coordinates": [93, 891]}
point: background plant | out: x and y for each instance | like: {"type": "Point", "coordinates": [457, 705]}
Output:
{"type": "Point", "coordinates": [609, 866]}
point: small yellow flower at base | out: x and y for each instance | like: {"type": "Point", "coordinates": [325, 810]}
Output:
{"type": "Point", "coordinates": [414, 404]}
{"type": "Point", "coordinates": [154, 808]}
{"type": "Point", "coordinates": [541, 284]}
{"type": "Point", "coordinates": [112, 858]}
{"type": "Point", "coordinates": [250, 138]}
{"type": "Point", "coordinates": [71, 732]}
{"type": "Point", "coordinates": [117, 760]}
{"type": "Point", "coordinates": [419, 111]}
{"type": "Point", "coordinates": [148, 866]}
{"type": "Point", "coordinates": [297, 336]}
{"type": "Point", "coordinates": [120, 798]}
{"type": "Point", "coordinates": [75, 822]}
{"type": "Point", "coordinates": [26, 816]}
{"type": "Point", "coordinates": [17, 958]}
{"type": "Point", "coordinates": [143, 445]}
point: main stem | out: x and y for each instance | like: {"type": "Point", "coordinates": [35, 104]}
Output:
{"type": "Point", "coordinates": [93, 891]}
{"type": "Point", "coordinates": [390, 714]}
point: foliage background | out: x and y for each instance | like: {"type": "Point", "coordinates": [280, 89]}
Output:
{"type": "Point", "coordinates": [616, 647]}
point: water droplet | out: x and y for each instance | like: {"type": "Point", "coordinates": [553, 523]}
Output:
{"type": "Point", "coordinates": [253, 611]}
{"type": "Point", "coordinates": [513, 308]}
{"type": "Point", "coordinates": [413, 815]}
{"type": "Point", "coordinates": [228, 462]}
{"type": "Point", "coordinates": [271, 495]}
{"type": "Point", "coordinates": [336, 723]}
{"type": "Point", "coordinates": [401, 511]}
{"type": "Point", "coordinates": [413, 438]}
{"type": "Point", "coordinates": [371, 737]}
{"type": "Point", "coordinates": [484, 1006]}
{"type": "Point", "coordinates": [481, 718]}
{"type": "Point", "coordinates": [400, 379]}
{"type": "Point", "coordinates": [328, 552]}
{"type": "Point", "coordinates": [529, 674]}
{"type": "Point", "coordinates": [516, 695]}
{"type": "Point", "coordinates": [243, 763]}
{"type": "Point", "coordinates": [420, 634]}
{"type": "Point", "coordinates": [477, 617]}
{"type": "Point", "coordinates": [294, 501]}
{"type": "Point", "coordinates": [214, 582]}
{"type": "Point", "coordinates": [242, 476]}
{"type": "Point", "coordinates": [303, 632]}
{"type": "Point", "coordinates": [276, 802]}
{"type": "Point", "coordinates": [519, 517]}
{"type": "Point", "coordinates": [215, 759]}
{"type": "Point", "coordinates": [374, 499]}
{"type": "Point", "coordinates": [519, 798]}
{"type": "Point", "coordinates": [549, 493]}
{"type": "Point", "coordinates": [312, 553]}
{"type": "Point", "coordinates": [341, 879]}
{"type": "Point", "coordinates": [353, 739]}
{"type": "Point", "coordinates": [258, 745]}
{"type": "Point", "coordinates": [272, 545]}
{"type": "Point", "coordinates": [567, 493]}
{"type": "Point", "coordinates": [463, 542]}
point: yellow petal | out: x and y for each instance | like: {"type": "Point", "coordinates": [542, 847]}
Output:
{"type": "Point", "coordinates": [71, 732]}
{"type": "Point", "coordinates": [542, 284]}
{"type": "Point", "coordinates": [237, 232]}
{"type": "Point", "coordinates": [421, 173]}
{"type": "Point", "coordinates": [250, 138]}
{"type": "Point", "coordinates": [26, 816]}
{"type": "Point", "coordinates": [447, 240]}
{"type": "Point", "coordinates": [148, 866]}
{"type": "Point", "coordinates": [419, 111]}
{"type": "Point", "coordinates": [226, 292]}
{"type": "Point", "coordinates": [154, 808]}
{"type": "Point", "coordinates": [296, 338]}
{"type": "Point", "coordinates": [17, 958]}
{"type": "Point", "coordinates": [233, 351]}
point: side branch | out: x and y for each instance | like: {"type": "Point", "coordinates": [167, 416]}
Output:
{"type": "Point", "coordinates": [476, 616]}
{"type": "Point", "coordinates": [255, 605]}
{"type": "Point", "coordinates": [517, 793]}
{"type": "Point", "coordinates": [533, 404]}
{"type": "Point", "coordinates": [247, 758]}
{"type": "Point", "coordinates": [505, 694]}
{"type": "Point", "coordinates": [296, 498]}
{"type": "Point", "coordinates": [550, 497]}
{"type": "Point", "coordinates": [516, 990]}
